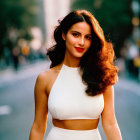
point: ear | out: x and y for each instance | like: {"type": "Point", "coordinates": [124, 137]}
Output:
{"type": "Point", "coordinates": [63, 36]}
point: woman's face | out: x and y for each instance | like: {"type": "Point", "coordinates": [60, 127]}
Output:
{"type": "Point", "coordinates": [78, 39]}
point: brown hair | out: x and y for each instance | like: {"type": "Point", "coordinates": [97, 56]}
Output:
{"type": "Point", "coordinates": [97, 64]}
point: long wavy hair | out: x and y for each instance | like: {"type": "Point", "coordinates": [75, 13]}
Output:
{"type": "Point", "coordinates": [97, 64]}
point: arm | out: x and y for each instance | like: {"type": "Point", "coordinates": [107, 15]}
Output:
{"type": "Point", "coordinates": [109, 121]}
{"type": "Point", "coordinates": [41, 109]}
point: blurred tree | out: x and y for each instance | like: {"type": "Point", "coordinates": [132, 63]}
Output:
{"type": "Point", "coordinates": [113, 16]}
{"type": "Point", "coordinates": [16, 18]}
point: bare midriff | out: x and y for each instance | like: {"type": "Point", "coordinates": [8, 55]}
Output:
{"type": "Point", "coordinates": [79, 124]}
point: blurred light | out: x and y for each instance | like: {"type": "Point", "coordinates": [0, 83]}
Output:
{"type": "Point", "coordinates": [5, 110]}
{"type": "Point", "coordinates": [135, 21]}
{"type": "Point", "coordinates": [138, 43]}
{"type": "Point", "coordinates": [137, 62]}
{"type": "Point", "coordinates": [97, 3]}
{"type": "Point", "coordinates": [25, 50]}
{"type": "Point", "coordinates": [133, 51]}
{"type": "Point", "coordinates": [36, 32]}
{"type": "Point", "coordinates": [22, 42]}
{"type": "Point", "coordinates": [35, 44]}
{"type": "Point", "coordinates": [135, 7]}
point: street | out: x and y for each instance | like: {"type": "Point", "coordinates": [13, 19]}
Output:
{"type": "Point", "coordinates": [17, 97]}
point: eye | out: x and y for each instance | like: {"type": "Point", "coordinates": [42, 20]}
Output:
{"type": "Point", "coordinates": [75, 34]}
{"type": "Point", "coordinates": [88, 37]}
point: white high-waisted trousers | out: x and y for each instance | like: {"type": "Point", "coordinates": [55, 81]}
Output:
{"type": "Point", "coordinates": [57, 133]}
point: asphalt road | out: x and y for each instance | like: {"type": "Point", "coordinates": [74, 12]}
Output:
{"type": "Point", "coordinates": [17, 109]}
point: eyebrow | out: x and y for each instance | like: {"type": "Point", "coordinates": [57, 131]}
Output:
{"type": "Point", "coordinates": [79, 32]}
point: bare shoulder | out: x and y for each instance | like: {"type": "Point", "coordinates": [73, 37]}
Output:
{"type": "Point", "coordinates": [45, 78]}
{"type": "Point", "coordinates": [48, 73]}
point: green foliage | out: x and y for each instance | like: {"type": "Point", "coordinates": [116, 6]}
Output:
{"type": "Point", "coordinates": [18, 16]}
{"type": "Point", "coordinates": [113, 16]}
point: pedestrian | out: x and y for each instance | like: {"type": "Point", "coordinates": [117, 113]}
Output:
{"type": "Point", "coordinates": [78, 87]}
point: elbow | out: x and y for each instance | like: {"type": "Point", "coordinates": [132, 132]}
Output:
{"type": "Point", "coordinates": [112, 131]}
{"type": "Point", "coordinates": [109, 126]}
{"type": "Point", "coordinates": [109, 122]}
{"type": "Point", "coordinates": [37, 132]}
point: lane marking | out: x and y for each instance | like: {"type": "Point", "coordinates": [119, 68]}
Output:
{"type": "Point", "coordinates": [5, 110]}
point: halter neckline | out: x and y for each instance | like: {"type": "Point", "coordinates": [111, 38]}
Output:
{"type": "Point", "coordinates": [66, 66]}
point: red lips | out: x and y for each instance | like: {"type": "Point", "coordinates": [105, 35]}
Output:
{"type": "Point", "coordinates": [79, 49]}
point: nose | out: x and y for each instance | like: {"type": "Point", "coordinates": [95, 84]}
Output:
{"type": "Point", "coordinates": [81, 41]}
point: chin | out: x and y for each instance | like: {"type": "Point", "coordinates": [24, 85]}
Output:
{"type": "Point", "coordinates": [78, 55]}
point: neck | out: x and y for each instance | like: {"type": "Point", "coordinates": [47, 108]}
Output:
{"type": "Point", "coordinates": [71, 61]}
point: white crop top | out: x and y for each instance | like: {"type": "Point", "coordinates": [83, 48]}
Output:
{"type": "Point", "coordinates": [68, 99]}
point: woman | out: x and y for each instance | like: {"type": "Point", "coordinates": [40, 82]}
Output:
{"type": "Point", "coordinates": [78, 87]}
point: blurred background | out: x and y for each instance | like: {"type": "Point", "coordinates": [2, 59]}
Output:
{"type": "Point", "coordinates": [26, 30]}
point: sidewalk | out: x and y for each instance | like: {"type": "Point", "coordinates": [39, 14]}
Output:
{"type": "Point", "coordinates": [130, 85]}
{"type": "Point", "coordinates": [9, 76]}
